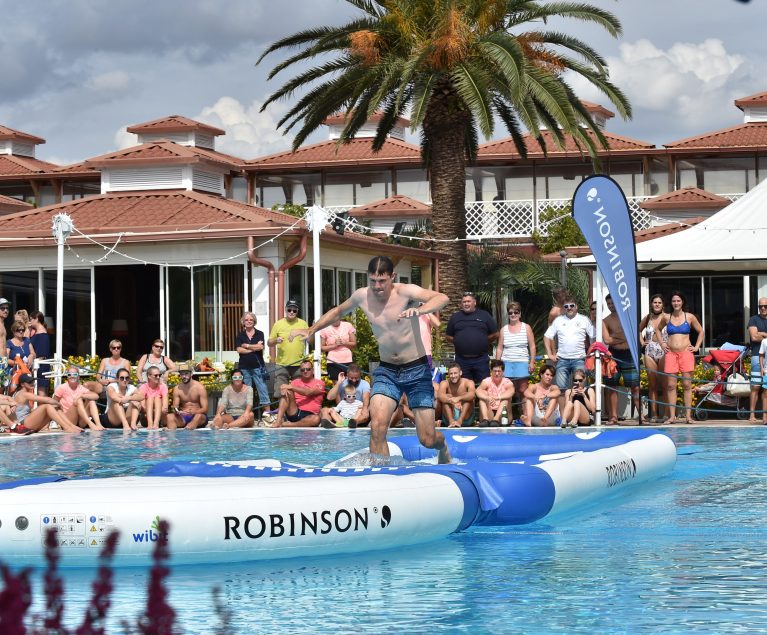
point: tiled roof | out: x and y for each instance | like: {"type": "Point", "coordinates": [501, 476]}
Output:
{"type": "Point", "coordinates": [358, 152]}
{"type": "Point", "coordinates": [760, 99]}
{"type": "Point", "coordinates": [159, 152]}
{"type": "Point", "coordinates": [174, 123]}
{"type": "Point", "coordinates": [12, 165]}
{"type": "Point", "coordinates": [597, 108]}
{"type": "Point", "coordinates": [8, 205]}
{"type": "Point", "coordinates": [78, 168]}
{"type": "Point", "coordinates": [506, 148]}
{"type": "Point", "coordinates": [164, 212]}
{"type": "Point", "coordinates": [392, 207]}
{"type": "Point", "coordinates": [666, 229]}
{"type": "Point", "coordinates": [686, 198]}
{"type": "Point", "coordinates": [10, 133]}
{"type": "Point", "coordinates": [746, 135]}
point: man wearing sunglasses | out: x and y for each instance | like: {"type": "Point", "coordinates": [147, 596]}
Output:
{"type": "Point", "coordinates": [757, 331]}
{"type": "Point", "coordinates": [301, 400]}
{"type": "Point", "coordinates": [566, 341]}
{"type": "Point", "coordinates": [289, 352]}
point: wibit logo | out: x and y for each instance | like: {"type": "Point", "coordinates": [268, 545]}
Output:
{"type": "Point", "coordinates": [152, 534]}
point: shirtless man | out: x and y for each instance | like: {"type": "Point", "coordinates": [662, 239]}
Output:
{"type": "Point", "coordinates": [558, 295]}
{"type": "Point", "coordinates": [190, 402]}
{"type": "Point", "coordinates": [393, 311]}
{"type": "Point", "coordinates": [456, 395]}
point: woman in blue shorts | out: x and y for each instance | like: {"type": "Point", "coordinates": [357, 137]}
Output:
{"type": "Point", "coordinates": [516, 349]}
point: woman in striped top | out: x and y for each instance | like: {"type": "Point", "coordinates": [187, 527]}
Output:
{"type": "Point", "coordinates": [516, 348]}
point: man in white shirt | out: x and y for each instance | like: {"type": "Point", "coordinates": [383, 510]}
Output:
{"type": "Point", "coordinates": [566, 341]}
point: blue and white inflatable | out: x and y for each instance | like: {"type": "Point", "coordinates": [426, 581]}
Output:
{"type": "Point", "coordinates": [254, 510]}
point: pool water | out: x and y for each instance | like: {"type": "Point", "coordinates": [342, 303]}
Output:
{"type": "Point", "coordinates": [683, 553]}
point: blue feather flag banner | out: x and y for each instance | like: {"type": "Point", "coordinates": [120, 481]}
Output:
{"type": "Point", "coordinates": [602, 213]}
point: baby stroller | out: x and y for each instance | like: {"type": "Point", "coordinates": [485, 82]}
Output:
{"type": "Point", "coordinates": [730, 388]}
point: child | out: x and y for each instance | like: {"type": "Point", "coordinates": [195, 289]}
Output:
{"type": "Point", "coordinates": [348, 408]}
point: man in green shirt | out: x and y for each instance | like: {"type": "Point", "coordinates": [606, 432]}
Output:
{"type": "Point", "coordinates": [289, 354]}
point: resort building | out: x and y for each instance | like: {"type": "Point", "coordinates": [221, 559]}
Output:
{"type": "Point", "coordinates": [176, 239]}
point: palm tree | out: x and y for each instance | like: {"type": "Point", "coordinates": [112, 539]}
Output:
{"type": "Point", "coordinates": [454, 67]}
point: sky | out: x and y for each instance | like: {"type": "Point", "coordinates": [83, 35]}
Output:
{"type": "Point", "coordinates": [78, 72]}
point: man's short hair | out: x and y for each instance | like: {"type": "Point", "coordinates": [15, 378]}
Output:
{"type": "Point", "coordinates": [381, 265]}
{"type": "Point", "coordinates": [454, 365]}
{"type": "Point", "coordinates": [352, 368]}
{"type": "Point", "coordinates": [569, 299]}
{"type": "Point", "coordinates": [497, 363]}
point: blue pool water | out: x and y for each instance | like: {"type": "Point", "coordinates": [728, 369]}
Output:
{"type": "Point", "coordinates": [680, 554]}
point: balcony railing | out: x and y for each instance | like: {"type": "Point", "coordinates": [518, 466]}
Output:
{"type": "Point", "coordinates": [518, 219]}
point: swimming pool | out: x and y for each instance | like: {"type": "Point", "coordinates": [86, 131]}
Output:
{"type": "Point", "coordinates": [683, 553]}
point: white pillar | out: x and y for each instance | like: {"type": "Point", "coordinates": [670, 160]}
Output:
{"type": "Point", "coordinates": [318, 220]}
{"type": "Point", "coordinates": [62, 228]}
{"type": "Point", "coordinates": [599, 297]}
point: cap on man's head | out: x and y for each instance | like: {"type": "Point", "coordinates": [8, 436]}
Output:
{"type": "Point", "coordinates": [4, 301]}
{"type": "Point", "coordinates": [26, 379]}
{"type": "Point", "coordinates": [292, 304]}
{"type": "Point", "coordinates": [183, 367]}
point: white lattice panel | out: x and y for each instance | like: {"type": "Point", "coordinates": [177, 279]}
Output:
{"type": "Point", "coordinates": [499, 219]}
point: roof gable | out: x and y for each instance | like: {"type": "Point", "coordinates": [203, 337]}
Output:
{"type": "Point", "coordinates": [392, 207]}
{"type": "Point", "coordinates": [160, 152]}
{"type": "Point", "coordinates": [686, 198]}
{"type": "Point", "coordinates": [12, 165]}
{"type": "Point", "coordinates": [10, 133]}
{"type": "Point", "coordinates": [174, 123]}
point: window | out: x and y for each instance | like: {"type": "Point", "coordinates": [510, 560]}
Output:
{"type": "Point", "coordinates": [356, 188]}
{"type": "Point", "coordinates": [294, 189]}
{"type": "Point", "coordinates": [628, 174]}
{"type": "Point", "coordinates": [559, 181]}
{"type": "Point", "coordinates": [415, 184]}
{"type": "Point", "coordinates": [718, 175]}
{"type": "Point", "coordinates": [179, 312]}
{"type": "Point", "coordinates": [218, 307]}
{"type": "Point", "coordinates": [77, 310]}
{"type": "Point", "coordinates": [658, 178]}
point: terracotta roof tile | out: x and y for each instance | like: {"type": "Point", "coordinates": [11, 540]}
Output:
{"type": "Point", "coordinates": [15, 165]}
{"type": "Point", "coordinates": [759, 99]}
{"type": "Point", "coordinates": [358, 152]}
{"type": "Point", "coordinates": [166, 211]}
{"type": "Point", "coordinates": [506, 147]}
{"type": "Point", "coordinates": [10, 133]}
{"type": "Point", "coordinates": [174, 123]}
{"type": "Point", "coordinates": [392, 207]}
{"type": "Point", "coordinates": [159, 152]}
{"type": "Point", "coordinates": [686, 198]}
{"type": "Point", "coordinates": [9, 205]}
{"type": "Point", "coordinates": [745, 135]}
{"type": "Point", "coordinates": [591, 107]}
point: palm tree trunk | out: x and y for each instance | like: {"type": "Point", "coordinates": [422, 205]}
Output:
{"type": "Point", "coordinates": [444, 129]}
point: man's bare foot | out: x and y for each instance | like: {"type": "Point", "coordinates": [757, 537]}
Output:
{"type": "Point", "coordinates": [753, 419]}
{"type": "Point", "coordinates": [444, 454]}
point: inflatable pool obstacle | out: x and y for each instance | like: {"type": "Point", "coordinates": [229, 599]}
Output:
{"type": "Point", "coordinates": [264, 509]}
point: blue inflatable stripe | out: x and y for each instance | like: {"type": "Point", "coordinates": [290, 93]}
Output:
{"type": "Point", "coordinates": [499, 447]}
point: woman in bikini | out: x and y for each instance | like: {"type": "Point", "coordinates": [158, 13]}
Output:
{"type": "Point", "coordinates": [541, 407]}
{"type": "Point", "coordinates": [680, 354]}
{"type": "Point", "coordinates": [650, 329]}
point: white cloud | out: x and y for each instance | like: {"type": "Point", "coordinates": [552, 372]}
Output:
{"type": "Point", "coordinates": [249, 133]}
{"type": "Point", "coordinates": [124, 139]}
{"type": "Point", "coordinates": [686, 87]}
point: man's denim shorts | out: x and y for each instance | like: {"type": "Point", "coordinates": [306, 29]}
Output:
{"type": "Point", "coordinates": [414, 381]}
